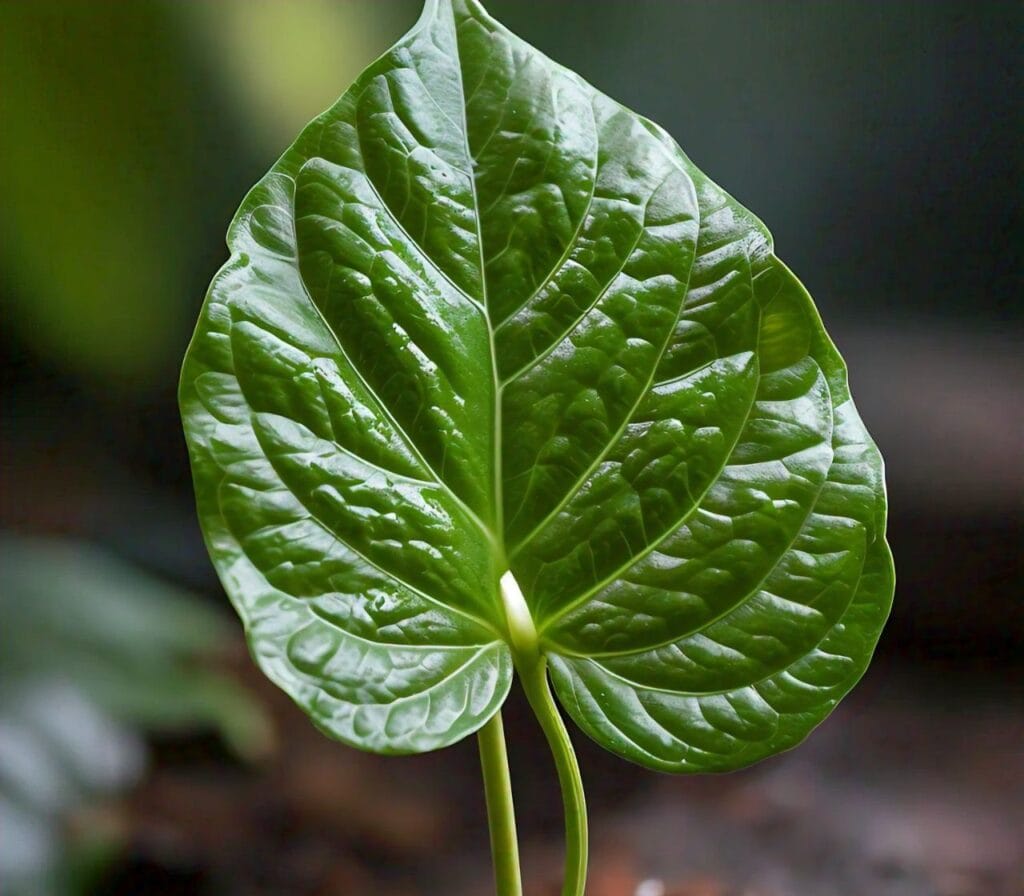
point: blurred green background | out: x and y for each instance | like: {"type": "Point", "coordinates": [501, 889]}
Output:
{"type": "Point", "coordinates": [880, 141]}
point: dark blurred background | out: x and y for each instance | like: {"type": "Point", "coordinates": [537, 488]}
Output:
{"type": "Point", "coordinates": [880, 141]}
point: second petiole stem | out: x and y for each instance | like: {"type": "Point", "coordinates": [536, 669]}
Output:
{"type": "Point", "coordinates": [498, 788]}
{"type": "Point", "coordinates": [534, 678]}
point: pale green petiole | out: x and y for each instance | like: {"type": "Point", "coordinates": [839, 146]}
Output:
{"type": "Point", "coordinates": [532, 668]}
{"type": "Point", "coordinates": [501, 818]}
{"type": "Point", "coordinates": [535, 683]}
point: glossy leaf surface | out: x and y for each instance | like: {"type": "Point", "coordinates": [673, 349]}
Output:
{"type": "Point", "coordinates": [481, 317]}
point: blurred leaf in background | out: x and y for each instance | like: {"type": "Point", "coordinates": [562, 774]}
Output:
{"type": "Point", "coordinates": [98, 142]}
{"type": "Point", "coordinates": [126, 128]}
{"type": "Point", "coordinates": [283, 63]}
{"type": "Point", "coordinates": [92, 654]}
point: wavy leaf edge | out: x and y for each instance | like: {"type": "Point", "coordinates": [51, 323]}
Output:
{"type": "Point", "coordinates": [717, 734]}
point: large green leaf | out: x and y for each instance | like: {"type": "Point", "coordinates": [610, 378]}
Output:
{"type": "Point", "coordinates": [482, 318]}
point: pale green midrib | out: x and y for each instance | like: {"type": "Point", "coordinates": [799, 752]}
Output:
{"type": "Point", "coordinates": [498, 533]}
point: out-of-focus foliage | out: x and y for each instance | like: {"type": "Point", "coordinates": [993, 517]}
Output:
{"type": "Point", "coordinates": [58, 752]}
{"type": "Point", "coordinates": [98, 160]}
{"type": "Point", "coordinates": [283, 62]}
{"type": "Point", "coordinates": [92, 653]}
{"type": "Point", "coordinates": [111, 113]}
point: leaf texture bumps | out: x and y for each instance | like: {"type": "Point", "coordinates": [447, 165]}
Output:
{"type": "Point", "coordinates": [480, 318]}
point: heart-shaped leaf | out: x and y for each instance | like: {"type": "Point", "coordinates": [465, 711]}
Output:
{"type": "Point", "coordinates": [482, 318]}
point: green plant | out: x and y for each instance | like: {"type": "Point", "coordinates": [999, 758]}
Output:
{"type": "Point", "coordinates": [497, 380]}
{"type": "Point", "coordinates": [93, 653]}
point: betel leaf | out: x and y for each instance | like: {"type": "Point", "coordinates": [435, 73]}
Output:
{"type": "Point", "coordinates": [482, 319]}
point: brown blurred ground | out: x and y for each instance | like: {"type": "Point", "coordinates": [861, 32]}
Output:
{"type": "Point", "coordinates": [913, 788]}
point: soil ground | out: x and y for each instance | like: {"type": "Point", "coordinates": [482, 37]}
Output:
{"type": "Point", "coordinates": [912, 788]}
